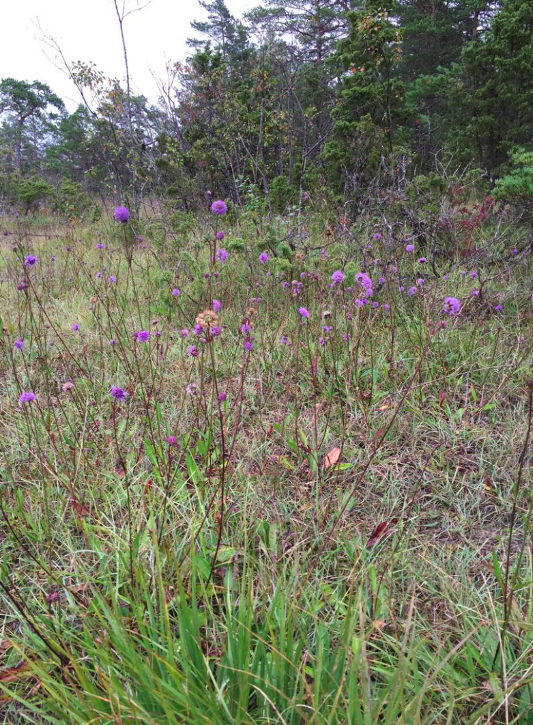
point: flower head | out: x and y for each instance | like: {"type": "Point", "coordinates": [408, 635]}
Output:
{"type": "Point", "coordinates": [219, 207]}
{"type": "Point", "coordinates": [143, 336]}
{"type": "Point", "coordinates": [219, 236]}
{"type": "Point", "coordinates": [176, 292]}
{"type": "Point", "coordinates": [216, 305]}
{"type": "Point", "coordinates": [303, 312]}
{"type": "Point", "coordinates": [117, 393]}
{"type": "Point", "coordinates": [222, 255]}
{"type": "Point", "coordinates": [337, 276]}
{"type": "Point", "coordinates": [451, 306]}
{"type": "Point", "coordinates": [263, 257]}
{"type": "Point", "coordinates": [75, 327]}
{"type": "Point", "coordinates": [30, 260]}
{"type": "Point", "coordinates": [172, 440]}
{"type": "Point", "coordinates": [19, 344]}
{"type": "Point", "coordinates": [206, 320]}
{"type": "Point", "coordinates": [27, 398]}
{"type": "Point", "coordinates": [410, 248]}
{"type": "Point", "coordinates": [364, 280]}
{"type": "Point", "coordinates": [121, 214]}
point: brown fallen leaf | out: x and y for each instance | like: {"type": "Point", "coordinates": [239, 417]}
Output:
{"type": "Point", "coordinates": [332, 458]}
{"type": "Point", "coordinates": [13, 673]}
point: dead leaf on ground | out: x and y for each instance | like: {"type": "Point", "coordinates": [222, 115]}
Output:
{"type": "Point", "coordinates": [13, 673]}
{"type": "Point", "coordinates": [332, 458]}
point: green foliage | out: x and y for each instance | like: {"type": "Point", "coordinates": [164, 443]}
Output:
{"type": "Point", "coordinates": [72, 200]}
{"type": "Point", "coordinates": [370, 101]}
{"type": "Point", "coordinates": [516, 187]}
{"type": "Point", "coordinates": [495, 96]}
{"type": "Point", "coordinates": [30, 191]}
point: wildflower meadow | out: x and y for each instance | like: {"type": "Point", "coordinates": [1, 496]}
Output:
{"type": "Point", "coordinates": [265, 459]}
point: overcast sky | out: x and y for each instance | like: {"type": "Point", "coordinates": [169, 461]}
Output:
{"type": "Point", "coordinates": [88, 30]}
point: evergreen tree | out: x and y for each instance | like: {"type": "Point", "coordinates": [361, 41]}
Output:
{"type": "Point", "coordinates": [494, 96]}
{"type": "Point", "coordinates": [370, 101]}
{"type": "Point", "coordinates": [24, 103]}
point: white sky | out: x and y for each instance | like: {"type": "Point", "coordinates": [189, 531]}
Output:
{"type": "Point", "coordinates": [88, 30]}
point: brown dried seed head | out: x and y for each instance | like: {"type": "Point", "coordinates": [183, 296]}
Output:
{"type": "Point", "coordinates": [207, 319]}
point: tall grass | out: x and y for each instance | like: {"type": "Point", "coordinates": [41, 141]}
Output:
{"type": "Point", "coordinates": [313, 509]}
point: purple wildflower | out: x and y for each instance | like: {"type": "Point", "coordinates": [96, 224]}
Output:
{"type": "Point", "coordinates": [176, 292]}
{"type": "Point", "coordinates": [222, 255]}
{"type": "Point", "coordinates": [248, 345]}
{"type": "Point", "coordinates": [410, 248]}
{"type": "Point", "coordinates": [112, 279]}
{"type": "Point", "coordinates": [118, 393]}
{"type": "Point", "coordinates": [219, 207]}
{"type": "Point", "coordinates": [192, 351]}
{"type": "Point", "coordinates": [184, 333]}
{"type": "Point", "coordinates": [99, 246]}
{"type": "Point", "coordinates": [219, 236]}
{"type": "Point", "coordinates": [451, 306]}
{"type": "Point", "coordinates": [263, 257]}
{"type": "Point", "coordinates": [172, 440]}
{"type": "Point", "coordinates": [121, 214]}
{"type": "Point", "coordinates": [303, 312]}
{"type": "Point", "coordinates": [19, 344]}
{"type": "Point", "coordinates": [221, 397]}
{"type": "Point", "coordinates": [337, 276]}
{"type": "Point", "coordinates": [143, 336]}
{"type": "Point", "coordinates": [75, 327]}
{"type": "Point", "coordinates": [27, 398]}
{"type": "Point", "coordinates": [364, 280]}
{"type": "Point", "coordinates": [422, 260]}
{"type": "Point", "coordinates": [412, 291]}
{"type": "Point", "coordinates": [30, 260]}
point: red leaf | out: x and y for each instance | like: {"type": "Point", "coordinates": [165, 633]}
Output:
{"type": "Point", "coordinates": [378, 532]}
